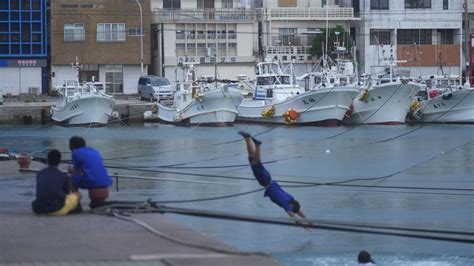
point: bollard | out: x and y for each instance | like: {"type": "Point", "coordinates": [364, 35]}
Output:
{"type": "Point", "coordinates": [23, 160]}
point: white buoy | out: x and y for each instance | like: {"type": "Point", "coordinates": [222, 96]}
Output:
{"type": "Point", "coordinates": [328, 151]}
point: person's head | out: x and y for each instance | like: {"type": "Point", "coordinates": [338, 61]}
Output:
{"type": "Point", "coordinates": [54, 157]}
{"type": "Point", "coordinates": [76, 143]}
{"type": "Point", "coordinates": [296, 206]}
{"type": "Point", "coordinates": [364, 257]}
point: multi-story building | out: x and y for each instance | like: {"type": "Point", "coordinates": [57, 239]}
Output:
{"type": "Point", "coordinates": [289, 26]}
{"type": "Point", "coordinates": [244, 32]}
{"type": "Point", "coordinates": [106, 39]}
{"type": "Point", "coordinates": [23, 47]}
{"type": "Point", "coordinates": [204, 31]}
{"type": "Point", "coordinates": [426, 34]}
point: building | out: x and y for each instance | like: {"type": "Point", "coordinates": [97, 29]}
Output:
{"type": "Point", "coordinates": [426, 34]}
{"type": "Point", "coordinates": [106, 39]}
{"type": "Point", "coordinates": [205, 31]}
{"type": "Point", "coordinates": [289, 26]}
{"type": "Point", "coordinates": [23, 47]}
{"type": "Point", "coordinates": [244, 32]}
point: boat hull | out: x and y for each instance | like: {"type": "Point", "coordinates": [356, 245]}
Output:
{"type": "Point", "coordinates": [455, 107]}
{"type": "Point", "coordinates": [324, 107]}
{"type": "Point", "coordinates": [217, 107]}
{"type": "Point", "coordinates": [88, 110]}
{"type": "Point", "coordinates": [386, 104]}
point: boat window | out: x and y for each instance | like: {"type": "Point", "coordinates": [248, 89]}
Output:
{"type": "Point", "coordinates": [317, 80]}
{"type": "Point", "coordinates": [264, 80]}
{"type": "Point", "coordinates": [285, 79]}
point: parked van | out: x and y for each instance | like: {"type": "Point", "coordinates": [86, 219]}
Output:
{"type": "Point", "coordinates": [154, 88]}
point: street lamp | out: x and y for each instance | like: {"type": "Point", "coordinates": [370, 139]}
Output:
{"type": "Point", "coordinates": [141, 37]}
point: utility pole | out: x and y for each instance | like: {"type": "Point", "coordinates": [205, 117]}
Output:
{"type": "Point", "coordinates": [466, 35]}
{"type": "Point", "coordinates": [141, 36]}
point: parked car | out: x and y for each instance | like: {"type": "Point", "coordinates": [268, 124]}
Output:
{"type": "Point", "coordinates": [154, 88]}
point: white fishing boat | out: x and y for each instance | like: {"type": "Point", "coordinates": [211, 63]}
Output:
{"type": "Point", "coordinates": [385, 100]}
{"type": "Point", "coordinates": [199, 102]}
{"type": "Point", "coordinates": [82, 104]}
{"type": "Point", "coordinates": [279, 99]}
{"type": "Point", "coordinates": [443, 100]}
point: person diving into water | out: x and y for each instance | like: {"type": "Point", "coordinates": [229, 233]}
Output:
{"type": "Point", "coordinates": [272, 189]}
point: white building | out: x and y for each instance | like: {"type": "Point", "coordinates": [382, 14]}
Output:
{"type": "Point", "coordinates": [427, 34]}
{"type": "Point", "coordinates": [247, 32]}
{"type": "Point", "coordinates": [201, 31]}
{"type": "Point", "coordinates": [290, 25]}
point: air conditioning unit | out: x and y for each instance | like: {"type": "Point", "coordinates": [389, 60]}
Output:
{"type": "Point", "coordinates": [191, 59]}
{"type": "Point", "coordinates": [208, 59]}
{"type": "Point", "coordinates": [233, 59]}
{"type": "Point", "coordinates": [181, 59]}
{"type": "Point", "coordinates": [223, 59]}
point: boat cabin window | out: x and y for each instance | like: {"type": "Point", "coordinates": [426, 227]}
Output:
{"type": "Point", "coordinates": [284, 79]}
{"type": "Point", "coordinates": [317, 79]}
{"type": "Point", "coordinates": [99, 87]}
{"type": "Point", "coordinates": [265, 80]}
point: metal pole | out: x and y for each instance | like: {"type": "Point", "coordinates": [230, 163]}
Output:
{"type": "Point", "coordinates": [466, 35]}
{"type": "Point", "coordinates": [141, 37]}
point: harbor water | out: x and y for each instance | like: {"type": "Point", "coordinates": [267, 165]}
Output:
{"type": "Point", "coordinates": [395, 159]}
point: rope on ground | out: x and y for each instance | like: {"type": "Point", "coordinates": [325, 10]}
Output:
{"type": "Point", "coordinates": [125, 217]}
{"type": "Point", "coordinates": [459, 236]}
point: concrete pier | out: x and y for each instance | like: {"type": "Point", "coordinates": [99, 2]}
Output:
{"type": "Point", "coordinates": [33, 109]}
{"type": "Point", "coordinates": [91, 239]}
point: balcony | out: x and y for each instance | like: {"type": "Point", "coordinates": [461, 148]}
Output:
{"type": "Point", "coordinates": [287, 54]}
{"type": "Point", "coordinates": [234, 15]}
{"type": "Point", "coordinates": [332, 13]}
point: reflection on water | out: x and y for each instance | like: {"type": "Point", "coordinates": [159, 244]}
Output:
{"type": "Point", "coordinates": [424, 158]}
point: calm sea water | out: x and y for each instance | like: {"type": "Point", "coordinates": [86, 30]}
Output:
{"type": "Point", "coordinates": [439, 156]}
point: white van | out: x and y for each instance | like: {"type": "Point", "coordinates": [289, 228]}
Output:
{"type": "Point", "coordinates": [154, 88]}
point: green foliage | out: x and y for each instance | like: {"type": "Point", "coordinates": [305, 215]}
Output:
{"type": "Point", "coordinates": [318, 43]}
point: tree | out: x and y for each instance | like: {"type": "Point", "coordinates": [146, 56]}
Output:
{"type": "Point", "coordinates": [318, 43]}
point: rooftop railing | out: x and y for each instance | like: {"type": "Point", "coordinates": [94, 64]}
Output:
{"type": "Point", "coordinates": [332, 13]}
{"type": "Point", "coordinates": [205, 15]}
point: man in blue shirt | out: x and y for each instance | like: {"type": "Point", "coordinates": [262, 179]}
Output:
{"type": "Point", "coordinates": [272, 190]}
{"type": "Point", "coordinates": [88, 171]}
{"type": "Point", "coordinates": [53, 189]}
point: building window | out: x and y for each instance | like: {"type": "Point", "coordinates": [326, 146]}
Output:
{"type": "Point", "coordinates": [74, 32]}
{"type": "Point", "coordinates": [380, 37]}
{"type": "Point", "coordinates": [287, 36]}
{"type": "Point", "coordinates": [287, 3]}
{"type": "Point", "coordinates": [113, 79]}
{"type": "Point", "coordinates": [417, 3]}
{"type": "Point", "coordinates": [445, 4]}
{"type": "Point", "coordinates": [414, 36]}
{"type": "Point", "coordinates": [180, 49]}
{"type": "Point", "coordinates": [171, 4]}
{"type": "Point", "coordinates": [447, 36]}
{"type": "Point", "coordinates": [379, 4]}
{"type": "Point", "coordinates": [227, 4]}
{"type": "Point", "coordinates": [202, 4]}
{"type": "Point", "coordinates": [110, 32]}
{"type": "Point", "coordinates": [134, 32]}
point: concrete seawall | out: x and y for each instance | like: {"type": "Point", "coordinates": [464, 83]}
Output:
{"type": "Point", "coordinates": [91, 239]}
{"type": "Point", "coordinates": [37, 110]}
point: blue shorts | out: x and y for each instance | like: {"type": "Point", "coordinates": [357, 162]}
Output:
{"type": "Point", "coordinates": [261, 174]}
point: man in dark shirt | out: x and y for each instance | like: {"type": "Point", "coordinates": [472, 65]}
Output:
{"type": "Point", "coordinates": [88, 171]}
{"type": "Point", "coordinates": [53, 189]}
{"type": "Point", "coordinates": [272, 190]}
